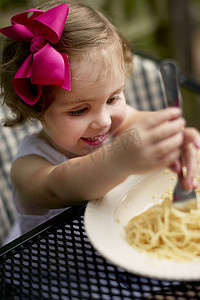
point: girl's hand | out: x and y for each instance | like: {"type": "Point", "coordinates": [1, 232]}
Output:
{"type": "Point", "coordinates": [161, 138]}
{"type": "Point", "coordinates": [190, 158]}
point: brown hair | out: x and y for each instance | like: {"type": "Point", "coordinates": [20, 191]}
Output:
{"type": "Point", "coordinates": [86, 29]}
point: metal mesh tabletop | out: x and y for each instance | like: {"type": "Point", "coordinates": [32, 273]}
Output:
{"type": "Point", "coordinates": [56, 261]}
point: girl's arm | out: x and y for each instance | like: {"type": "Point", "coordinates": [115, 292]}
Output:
{"type": "Point", "coordinates": [41, 184]}
{"type": "Point", "coordinates": [91, 176]}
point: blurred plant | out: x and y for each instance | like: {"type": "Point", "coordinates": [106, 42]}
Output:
{"type": "Point", "coordinates": [7, 4]}
{"type": "Point", "coordinates": [163, 29]}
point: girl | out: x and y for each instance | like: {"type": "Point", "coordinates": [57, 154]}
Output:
{"type": "Point", "coordinates": [65, 64]}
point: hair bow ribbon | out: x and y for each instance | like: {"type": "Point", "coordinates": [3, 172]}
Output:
{"type": "Point", "coordinates": [45, 65]}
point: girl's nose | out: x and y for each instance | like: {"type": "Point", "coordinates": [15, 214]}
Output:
{"type": "Point", "coordinates": [101, 121]}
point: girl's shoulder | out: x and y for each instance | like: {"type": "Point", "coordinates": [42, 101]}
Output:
{"type": "Point", "coordinates": [34, 144]}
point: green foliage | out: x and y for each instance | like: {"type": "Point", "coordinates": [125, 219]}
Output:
{"type": "Point", "coordinates": [7, 4]}
{"type": "Point", "coordinates": [149, 26]}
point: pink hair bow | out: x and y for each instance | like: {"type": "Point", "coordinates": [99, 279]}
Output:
{"type": "Point", "coordinates": [45, 65]}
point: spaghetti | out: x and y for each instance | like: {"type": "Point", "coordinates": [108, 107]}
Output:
{"type": "Point", "coordinates": [166, 232]}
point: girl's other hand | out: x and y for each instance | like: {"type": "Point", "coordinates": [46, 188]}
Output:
{"type": "Point", "coordinates": [190, 157]}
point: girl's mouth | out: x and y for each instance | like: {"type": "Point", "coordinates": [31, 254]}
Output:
{"type": "Point", "coordinates": [94, 141]}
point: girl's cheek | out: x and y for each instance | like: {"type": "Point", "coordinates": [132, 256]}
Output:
{"type": "Point", "coordinates": [79, 126]}
{"type": "Point", "coordinates": [123, 113]}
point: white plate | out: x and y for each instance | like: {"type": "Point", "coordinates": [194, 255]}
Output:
{"type": "Point", "coordinates": [106, 218]}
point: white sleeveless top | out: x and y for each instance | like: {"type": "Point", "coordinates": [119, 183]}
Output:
{"type": "Point", "coordinates": [32, 144]}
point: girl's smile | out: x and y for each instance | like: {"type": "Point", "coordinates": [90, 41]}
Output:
{"type": "Point", "coordinates": [80, 120]}
{"type": "Point", "coordinates": [95, 141]}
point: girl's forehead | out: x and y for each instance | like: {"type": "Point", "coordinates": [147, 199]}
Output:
{"type": "Point", "coordinates": [96, 68]}
{"type": "Point", "coordinates": [91, 77]}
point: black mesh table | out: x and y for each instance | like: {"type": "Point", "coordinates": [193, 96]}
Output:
{"type": "Point", "coordinates": [56, 261]}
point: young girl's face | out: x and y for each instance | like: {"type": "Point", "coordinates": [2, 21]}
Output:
{"type": "Point", "coordinates": [79, 121]}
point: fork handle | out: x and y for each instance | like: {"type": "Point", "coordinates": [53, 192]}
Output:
{"type": "Point", "coordinates": [170, 75]}
{"type": "Point", "coordinates": [169, 72]}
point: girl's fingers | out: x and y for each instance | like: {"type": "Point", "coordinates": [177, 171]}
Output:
{"type": "Point", "coordinates": [167, 160]}
{"type": "Point", "coordinates": [166, 130]}
{"type": "Point", "coordinates": [168, 145]}
{"type": "Point", "coordinates": [161, 116]}
{"type": "Point", "coordinates": [192, 136]}
{"type": "Point", "coordinates": [190, 156]}
{"type": "Point", "coordinates": [175, 166]}
{"type": "Point", "coordinates": [191, 163]}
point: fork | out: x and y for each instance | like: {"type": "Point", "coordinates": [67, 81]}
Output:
{"type": "Point", "coordinates": [182, 199]}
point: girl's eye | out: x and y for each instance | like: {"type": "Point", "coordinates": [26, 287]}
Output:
{"type": "Point", "coordinates": [113, 100]}
{"type": "Point", "coordinates": [78, 112]}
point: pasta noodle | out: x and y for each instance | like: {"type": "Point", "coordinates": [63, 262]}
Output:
{"type": "Point", "coordinates": [166, 231]}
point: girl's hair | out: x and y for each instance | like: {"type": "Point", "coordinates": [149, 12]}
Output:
{"type": "Point", "coordinates": [85, 30]}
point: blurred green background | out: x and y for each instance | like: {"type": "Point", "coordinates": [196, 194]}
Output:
{"type": "Point", "coordinates": [157, 28]}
